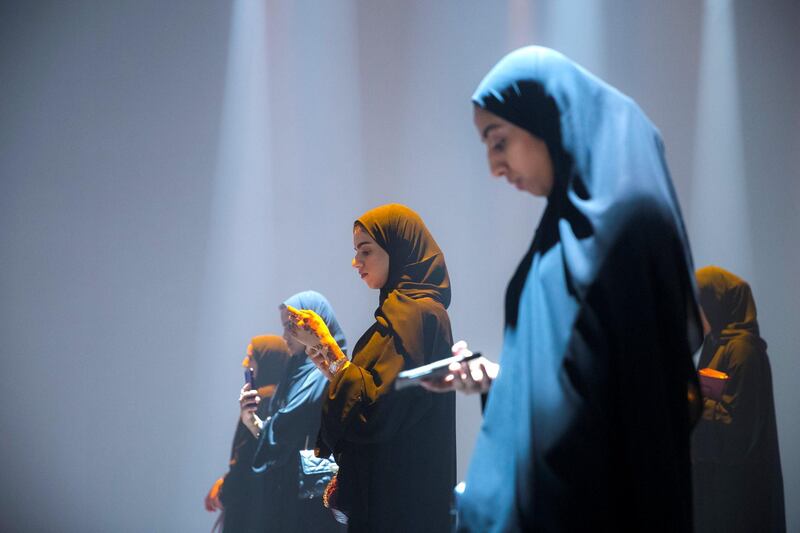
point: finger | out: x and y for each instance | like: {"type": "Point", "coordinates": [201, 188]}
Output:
{"type": "Point", "coordinates": [433, 386]}
{"type": "Point", "coordinates": [469, 374]}
{"type": "Point", "coordinates": [444, 384]}
{"type": "Point", "coordinates": [458, 382]}
{"type": "Point", "coordinates": [249, 399]}
{"type": "Point", "coordinates": [477, 373]}
{"type": "Point", "coordinates": [457, 347]}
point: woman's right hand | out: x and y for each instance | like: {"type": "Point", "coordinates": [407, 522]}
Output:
{"type": "Point", "coordinates": [469, 377]}
{"type": "Point", "coordinates": [248, 403]}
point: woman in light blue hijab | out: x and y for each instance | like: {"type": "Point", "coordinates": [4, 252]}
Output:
{"type": "Point", "coordinates": [292, 425]}
{"type": "Point", "coordinates": [587, 425]}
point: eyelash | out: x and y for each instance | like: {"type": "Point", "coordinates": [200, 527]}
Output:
{"type": "Point", "coordinates": [499, 145]}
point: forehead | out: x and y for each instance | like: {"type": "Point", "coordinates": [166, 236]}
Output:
{"type": "Point", "coordinates": [485, 119]}
{"type": "Point", "coordinates": [361, 236]}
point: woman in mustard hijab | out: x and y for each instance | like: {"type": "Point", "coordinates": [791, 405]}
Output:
{"type": "Point", "coordinates": [395, 449]}
{"type": "Point", "coordinates": [738, 486]}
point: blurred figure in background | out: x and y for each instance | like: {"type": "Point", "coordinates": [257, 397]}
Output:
{"type": "Point", "coordinates": [738, 486]}
{"type": "Point", "coordinates": [239, 494]}
{"type": "Point", "coordinates": [290, 424]}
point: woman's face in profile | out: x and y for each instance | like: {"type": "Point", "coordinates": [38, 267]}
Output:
{"type": "Point", "coordinates": [515, 154]}
{"type": "Point", "coordinates": [371, 261]}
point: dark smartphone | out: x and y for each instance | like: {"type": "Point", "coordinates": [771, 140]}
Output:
{"type": "Point", "coordinates": [248, 377]}
{"type": "Point", "coordinates": [434, 370]}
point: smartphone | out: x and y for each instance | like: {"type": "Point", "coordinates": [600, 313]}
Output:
{"type": "Point", "coordinates": [434, 370]}
{"type": "Point", "coordinates": [248, 378]}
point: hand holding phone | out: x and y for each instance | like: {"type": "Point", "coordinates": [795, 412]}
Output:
{"type": "Point", "coordinates": [433, 371]}
{"type": "Point", "coordinates": [248, 400]}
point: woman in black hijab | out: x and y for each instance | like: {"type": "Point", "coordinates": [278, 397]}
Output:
{"type": "Point", "coordinates": [737, 466]}
{"type": "Point", "coordinates": [289, 423]}
{"type": "Point", "coordinates": [587, 426]}
{"type": "Point", "coordinates": [395, 449]}
{"type": "Point", "coordinates": [239, 494]}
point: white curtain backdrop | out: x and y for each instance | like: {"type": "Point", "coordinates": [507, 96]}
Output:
{"type": "Point", "coordinates": [171, 171]}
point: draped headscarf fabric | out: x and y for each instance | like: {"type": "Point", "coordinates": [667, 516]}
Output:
{"type": "Point", "coordinates": [587, 425]}
{"type": "Point", "coordinates": [292, 420]}
{"type": "Point", "coordinates": [728, 304]}
{"type": "Point", "coordinates": [736, 459]}
{"type": "Point", "coordinates": [417, 270]}
{"type": "Point", "coordinates": [271, 355]}
{"type": "Point", "coordinates": [242, 495]}
{"type": "Point", "coordinates": [416, 264]}
{"type": "Point", "coordinates": [396, 449]}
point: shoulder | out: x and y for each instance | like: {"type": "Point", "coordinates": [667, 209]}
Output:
{"type": "Point", "coordinates": [431, 310]}
{"type": "Point", "coordinates": [641, 214]}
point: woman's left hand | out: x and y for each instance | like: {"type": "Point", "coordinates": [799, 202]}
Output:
{"type": "Point", "coordinates": [328, 363]}
{"type": "Point", "coordinates": [320, 360]}
{"type": "Point", "coordinates": [212, 501]}
{"type": "Point", "coordinates": [307, 327]}
{"type": "Point", "coordinates": [469, 377]}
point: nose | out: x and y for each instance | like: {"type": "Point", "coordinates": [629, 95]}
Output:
{"type": "Point", "coordinates": [497, 167]}
{"type": "Point", "coordinates": [354, 263]}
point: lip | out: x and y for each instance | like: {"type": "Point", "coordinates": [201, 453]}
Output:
{"type": "Point", "coordinates": [362, 274]}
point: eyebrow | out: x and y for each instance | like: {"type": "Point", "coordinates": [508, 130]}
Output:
{"type": "Point", "coordinates": [362, 243]}
{"type": "Point", "coordinates": [487, 129]}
